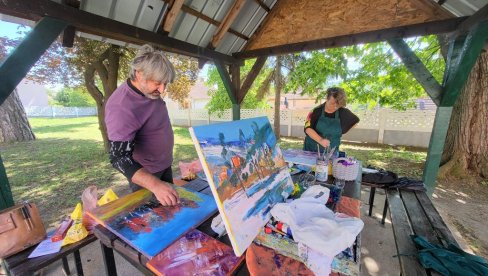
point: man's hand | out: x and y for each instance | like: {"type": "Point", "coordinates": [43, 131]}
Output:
{"type": "Point", "coordinates": [163, 191]}
{"type": "Point", "coordinates": [324, 142]}
{"type": "Point", "coordinates": [166, 194]}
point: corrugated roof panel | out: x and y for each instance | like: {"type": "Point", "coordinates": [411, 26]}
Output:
{"type": "Point", "coordinates": [464, 7]}
{"type": "Point", "coordinates": [151, 15]}
{"type": "Point", "coordinates": [198, 32]}
{"type": "Point", "coordinates": [238, 45]}
{"type": "Point", "coordinates": [226, 43]}
{"type": "Point", "coordinates": [182, 29]}
{"type": "Point", "coordinates": [125, 11]}
{"type": "Point", "coordinates": [101, 8]}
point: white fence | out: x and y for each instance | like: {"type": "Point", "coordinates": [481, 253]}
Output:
{"type": "Point", "coordinates": [59, 111]}
{"type": "Point", "coordinates": [384, 126]}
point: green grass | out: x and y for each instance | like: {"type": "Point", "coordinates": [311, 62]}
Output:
{"type": "Point", "coordinates": [68, 156]}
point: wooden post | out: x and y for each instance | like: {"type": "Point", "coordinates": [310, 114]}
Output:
{"type": "Point", "coordinates": [15, 68]}
{"type": "Point", "coordinates": [20, 61]}
{"type": "Point", "coordinates": [381, 126]}
{"type": "Point", "coordinates": [459, 69]}
{"type": "Point", "coordinates": [6, 199]}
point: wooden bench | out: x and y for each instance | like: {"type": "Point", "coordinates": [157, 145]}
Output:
{"type": "Point", "coordinates": [20, 264]}
{"type": "Point", "coordinates": [412, 212]}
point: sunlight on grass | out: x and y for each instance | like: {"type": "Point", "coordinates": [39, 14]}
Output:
{"type": "Point", "coordinates": [68, 156]}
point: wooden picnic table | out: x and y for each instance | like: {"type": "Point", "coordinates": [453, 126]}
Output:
{"type": "Point", "coordinates": [19, 264]}
{"type": "Point", "coordinates": [110, 241]}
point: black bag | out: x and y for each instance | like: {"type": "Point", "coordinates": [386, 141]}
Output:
{"type": "Point", "coordinates": [380, 177]}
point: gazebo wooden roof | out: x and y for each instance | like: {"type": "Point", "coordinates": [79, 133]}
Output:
{"type": "Point", "coordinates": [226, 32]}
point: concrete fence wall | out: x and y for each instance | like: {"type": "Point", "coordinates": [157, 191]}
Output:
{"type": "Point", "coordinates": [383, 126]}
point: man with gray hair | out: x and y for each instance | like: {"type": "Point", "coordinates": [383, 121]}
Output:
{"type": "Point", "coordinates": [138, 126]}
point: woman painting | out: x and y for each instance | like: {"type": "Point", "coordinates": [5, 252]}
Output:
{"type": "Point", "coordinates": [327, 122]}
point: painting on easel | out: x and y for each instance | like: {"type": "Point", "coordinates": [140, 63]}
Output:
{"type": "Point", "coordinates": [148, 226]}
{"type": "Point", "coordinates": [195, 253]}
{"type": "Point", "coordinates": [246, 173]}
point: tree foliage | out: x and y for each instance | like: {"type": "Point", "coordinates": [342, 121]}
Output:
{"type": "Point", "coordinates": [75, 97]}
{"type": "Point", "coordinates": [371, 73]}
{"type": "Point", "coordinates": [220, 100]}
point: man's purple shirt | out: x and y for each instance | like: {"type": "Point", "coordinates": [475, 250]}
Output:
{"type": "Point", "coordinates": [130, 116]}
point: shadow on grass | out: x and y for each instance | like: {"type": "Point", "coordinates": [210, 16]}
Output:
{"type": "Point", "coordinates": [60, 128]}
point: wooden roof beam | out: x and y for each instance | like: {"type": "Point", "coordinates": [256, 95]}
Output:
{"type": "Point", "coordinates": [251, 76]}
{"type": "Point", "coordinates": [171, 15]}
{"type": "Point", "coordinates": [225, 25]}
{"type": "Point", "coordinates": [434, 27]}
{"type": "Point", "coordinates": [208, 19]}
{"type": "Point", "coordinates": [106, 27]}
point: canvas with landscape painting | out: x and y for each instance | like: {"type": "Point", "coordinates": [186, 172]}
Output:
{"type": "Point", "coordinates": [142, 222]}
{"type": "Point", "coordinates": [246, 172]}
{"type": "Point", "coordinates": [195, 253]}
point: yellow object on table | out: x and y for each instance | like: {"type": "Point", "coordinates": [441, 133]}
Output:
{"type": "Point", "coordinates": [107, 197]}
{"type": "Point", "coordinates": [77, 231]}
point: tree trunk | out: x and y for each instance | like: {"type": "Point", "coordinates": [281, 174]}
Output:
{"type": "Point", "coordinates": [466, 149]}
{"type": "Point", "coordinates": [108, 74]}
{"type": "Point", "coordinates": [14, 125]}
{"type": "Point", "coordinates": [278, 87]}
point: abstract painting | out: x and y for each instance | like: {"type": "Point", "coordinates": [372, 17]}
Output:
{"type": "Point", "coordinates": [195, 253]}
{"type": "Point", "coordinates": [246, 173]}
{"type": "Point", "coordinates": [149, 227]}
{"type": "Point", "coordinates": [301, 157]}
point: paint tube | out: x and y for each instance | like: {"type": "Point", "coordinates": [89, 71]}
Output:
{"type": "Point", "coordinates": [285, 228]}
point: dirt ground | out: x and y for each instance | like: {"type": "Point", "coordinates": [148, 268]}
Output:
{"type": "Point", "coordinates": [464, 205]}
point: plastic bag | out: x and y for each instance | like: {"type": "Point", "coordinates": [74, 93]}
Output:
{"type": "Point", "coordinates": [189, 170]}
{"type": "Point", "coordinates": [89, 199]}
{"type": "Point", "coordinates": [77, 231]}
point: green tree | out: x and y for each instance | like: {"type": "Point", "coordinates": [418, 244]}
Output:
{"type": "Point", "coordinates": [220, 100]}
{"type": "Point", "coordinates": [100, 66]}
{"type": "Point", "coordinates": [76, 97]}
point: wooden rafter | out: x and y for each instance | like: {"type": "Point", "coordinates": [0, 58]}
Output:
{"type": "Point", "coordinates": [171, 15]}
{"type": "Point", "coordinates": [435, 27]}
{"type": "Point", "coordinates": [106, 27]}
{"type": "Point", "coordinates": [225, 25]}
{"type": "Point", "coordinates": [208, 19]}
{"type": "Point", "coordinates": [256, 68]}
{"type": "Point", "coordinates": [263, 5]}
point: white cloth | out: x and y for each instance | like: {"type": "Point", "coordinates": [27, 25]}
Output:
{"type": "Point", "coordinates": [319, 264]}
{"type": "Point", "coordinates": [316, 226]}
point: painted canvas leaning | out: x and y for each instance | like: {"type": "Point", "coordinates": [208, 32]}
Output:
{"type": "Point", "coordinates": [246, 173]}
{"type": "Point", "coordinates": [195, 253]}
{"type": "Point", "coordinates": [148, 226]}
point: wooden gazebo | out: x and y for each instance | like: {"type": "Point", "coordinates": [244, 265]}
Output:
{"type": "Point", "coordinates": [227, 32]}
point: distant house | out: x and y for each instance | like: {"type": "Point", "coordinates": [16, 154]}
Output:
{"type": "Point", "coordinates": [32, 94]}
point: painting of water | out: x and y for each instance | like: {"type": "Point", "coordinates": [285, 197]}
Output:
{"type": "Point", "coordinates": [246, 173]}
{"type": "Point", "coordinates": [195, 253]}
{"type": "Point", "coordinates": [148, 226]}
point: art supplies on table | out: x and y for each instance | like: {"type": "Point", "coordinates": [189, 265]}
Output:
{"type": "Point", "coordinates": [195, 253]}
{"type": "Point", "coordinates": [62, 230]}
{"type": "Point", "coordinates": [345, 168]}
{"type": "Point", "coordinates": [148, 226]}
{"type": "Point", "coordinates": [246, 173]}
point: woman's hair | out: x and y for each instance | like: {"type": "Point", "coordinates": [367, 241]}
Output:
{"type": "Point", "coordinates": [153, 65]}
{"type": "Point", "coordinates": [338, 94]}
